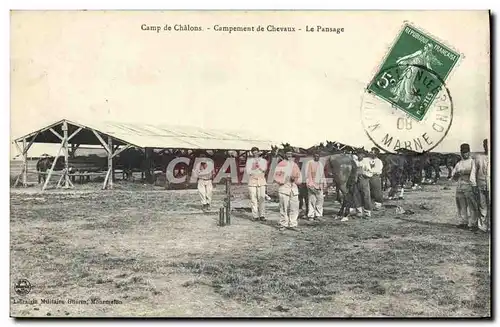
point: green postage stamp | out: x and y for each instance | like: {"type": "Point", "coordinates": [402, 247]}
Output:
{"type": "Point", "coordinates": [413, 72]}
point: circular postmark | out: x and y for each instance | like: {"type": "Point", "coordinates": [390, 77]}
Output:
{"type": "Point", "coordinates": [411, 108]}
{"type": "Point", "coordinates": [22, 286]}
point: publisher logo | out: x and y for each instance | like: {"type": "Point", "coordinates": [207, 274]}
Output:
{"type": "Point", "coordinates": [22, 287]}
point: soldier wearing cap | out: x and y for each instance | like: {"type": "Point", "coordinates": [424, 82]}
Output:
{"type": "Point", "coordinates": [376, 166]}
{"type": "Point", "coordinates": [363, 198]}
{"type": "Point", "coordinates": [205, 173]}
{"type": "Point", "coordinates": [482, 181]}
{"type": "Point", "coordinates": [465, 173]}
{"type": "Point", "coordinates": [288, 176]}
{"type": "Point", "coordinates": [316, 185]}
{"type": "Point", "coordinates": [256, 168]}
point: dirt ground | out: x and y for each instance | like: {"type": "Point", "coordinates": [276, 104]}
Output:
{"type": "Point", "coordinates": [144, 251]}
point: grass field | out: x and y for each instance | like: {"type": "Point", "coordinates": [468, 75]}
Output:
{"type": "Point", "coordinates": [157, 254]}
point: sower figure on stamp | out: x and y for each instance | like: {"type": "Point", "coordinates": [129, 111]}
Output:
{"type": "Point", "coordinates": [483, 194]}
{"type": "Point", "coordinates": [288, 176]}
{"type": "Point", "coordinates": [256, 168]}
{"type": "Point", "coordinates": [404, 90]}
{"type": "Point", "coordinates": [376, 166]}
{"type": "Point", "coordinates": [316, 185]}
{"type": "Point", "coordinates": [465, 173]}
{"type": "Point", "coordinates": [205, 174]}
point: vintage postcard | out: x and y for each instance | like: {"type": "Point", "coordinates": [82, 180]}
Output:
{"type": "Point", "coordinates": [250, 164]}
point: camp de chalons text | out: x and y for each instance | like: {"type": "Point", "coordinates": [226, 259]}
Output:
{"type": "Point", "coordinates": [231, 29]}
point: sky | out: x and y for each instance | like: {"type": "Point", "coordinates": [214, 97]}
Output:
{"type": "Point", "coordinates": [302, 88]}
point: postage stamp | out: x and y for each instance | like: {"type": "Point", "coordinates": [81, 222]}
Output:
{"type": "Point", "coordinates": [392, 129]}
{"type": "Point", "coordinates": [408, 75]}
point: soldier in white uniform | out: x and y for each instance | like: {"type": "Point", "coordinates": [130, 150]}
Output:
{"type": "Point", "coordinates": [256, 168]}
{"type": "Point", "coordinates": [205, 187]}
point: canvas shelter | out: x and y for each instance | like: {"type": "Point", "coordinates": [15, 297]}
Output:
{"type": "Point", "coordinates": [116, 137]}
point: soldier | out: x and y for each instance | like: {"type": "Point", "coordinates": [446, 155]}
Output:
{"type": "Point", "coordinates": [482, 192]}
{"type": "Point", "coordinates": [288, 176]}
{"type": "Point", "coordinates": [365, 173]}
{"type": "Point", "coordinates": [465, 197]}
{"type": "Point", "coordinates": [205, 175]}
{"type": "Point", "coordinates": [256, 168]}
{"type": "Point", "coordinates": [376, 166]}
{"type": "Point", "coordinates": [316, 185]}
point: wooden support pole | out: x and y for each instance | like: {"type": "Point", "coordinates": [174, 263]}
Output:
{"type": "Point", "coordinates": [110, 163]}
{"type": "Point", "coordinates": [228, 201]}
{"type": "Point", "coordinates": [22, 166]}
{"type": "Point", "coordinates": [105, 146]}
{"type": "Point", "coordinates": [221, 217]}
{"type": "Point", "coordinates": [31, 143]}
{"type": "Point", "coordinates": [52, 168]}
{"type": "Point", "coordinates": [106, 179]}
{"type": "Point", "coordinates": [66, 153]}
{"type": "Point", "coordinates": [74, 133]}
{"type": "Point", "coordinates": [56, 133]}
{"type": "Point", "coordinates": [25, 164]}
{"type": "Point", "coordinates": [121, 150]}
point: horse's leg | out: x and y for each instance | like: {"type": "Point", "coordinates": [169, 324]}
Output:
{"type": "Point", "coordinates": [344, 204]}
{"type": "Point", "coordinates": [437, 171]}
{"type": "Point", "coordinates": [339, 192]}
{"type": "Point", "coordinates": [449, 170]}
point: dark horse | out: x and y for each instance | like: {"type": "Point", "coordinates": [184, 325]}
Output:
{"type": "Point", "coordinates": [44, 164]}
{"type": "Point", "coordinates": [343, 171]}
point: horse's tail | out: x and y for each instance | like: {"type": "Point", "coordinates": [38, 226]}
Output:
{"type": "Point", "coordinates": [39, 170]}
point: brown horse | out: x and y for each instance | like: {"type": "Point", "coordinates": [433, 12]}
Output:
{"type": "Point", "coordinates": [44, 164]}
{"type": "Point", "coordinates": [343, 172]}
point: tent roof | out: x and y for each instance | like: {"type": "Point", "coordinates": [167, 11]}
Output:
{"type": "Point", "coordinates": [151, 136]}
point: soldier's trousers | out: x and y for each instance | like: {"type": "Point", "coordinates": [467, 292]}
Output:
{"type": "Point", "coordinates": [364, 189]}
{"type": "Point", "coordinates": [483, 201]}
{"type": "Point", "coordinates": [289, 210]}
{"type": "Point", "coordinates": [258, 200]}
{"type": "Point", "coordinates": [205, 189]}
{"type": "Point", "coordinates": [376, 189]}
{"type": "Point", "coordinates": [466, 205]}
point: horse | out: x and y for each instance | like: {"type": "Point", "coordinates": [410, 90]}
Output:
{"type": "Point", "coordinates": [45, 163]}
{"type": "Point", "coordinates": [342, 169]}
{"type": "Point", "coordinates": [450, 160]}
{"type": "Point", "coordinates": [394, 167]}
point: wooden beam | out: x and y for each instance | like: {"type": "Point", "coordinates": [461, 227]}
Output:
{"type": "Point", "coordinates": [19, 176]}
{"type": "Point", "coordinates": [74, 133]}
{"type": "Point", "coordinates": [110, 162]}
{"type": "Point", "coordinates": [66, 154]}
{"type": "Point", "coordinates": [56, 134]}
{"type": "Point", "coordinates": [121, 150]}
{"type": "Point", "coordinates": [106, 179]}
{"type": "Point", "coordinates": [105, 146]}
{"type": "Point", "coordinates": [25, 164]}
{"type": "Point", "coordinates": [52, 167]}
{"type": "Point", "coordinates": [59, 182]}
{"type": "Point", "coordinates": [22, 167]}
{"type": "Point", "coordinates": [18, 148]}
{"type": "Point", "coordinates": [31, 143]}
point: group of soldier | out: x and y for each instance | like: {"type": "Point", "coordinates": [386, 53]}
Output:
{"type": "Point", "coordinates": [472, 194]}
